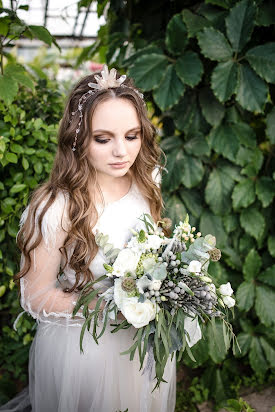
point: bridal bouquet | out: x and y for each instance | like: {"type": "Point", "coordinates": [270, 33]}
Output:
{"type": "Point", "coordinates": [162, 287]}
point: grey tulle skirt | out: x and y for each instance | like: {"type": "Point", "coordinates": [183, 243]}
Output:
{"type": "Point", "coordinates": [61, 379]}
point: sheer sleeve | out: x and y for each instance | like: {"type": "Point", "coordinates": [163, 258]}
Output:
{"type": "Point", "coordinates": [41, 293]}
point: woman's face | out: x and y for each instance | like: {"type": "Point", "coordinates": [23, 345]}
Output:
{"type": "Point", "coordinates": [116, 137]}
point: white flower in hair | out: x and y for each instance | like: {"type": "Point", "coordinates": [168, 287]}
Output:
{"type": "Point", "coordinates": [107, 80]}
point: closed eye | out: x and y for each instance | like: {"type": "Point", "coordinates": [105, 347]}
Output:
{"type": "Point", "coordinates": [131, 137]}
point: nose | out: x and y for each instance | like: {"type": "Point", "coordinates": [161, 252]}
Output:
{"type": "Point", "coordinates": [119, 148]}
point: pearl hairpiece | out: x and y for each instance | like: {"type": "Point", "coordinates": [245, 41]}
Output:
{"type": "Point", "coordinates": [106, 81]}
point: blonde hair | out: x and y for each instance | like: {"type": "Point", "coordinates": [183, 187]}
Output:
{"type": "Point", "coordinates": [72, 173]}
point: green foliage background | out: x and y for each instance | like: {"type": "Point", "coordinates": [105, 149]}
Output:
{"type": "Point", "coordinates": [207, 71]}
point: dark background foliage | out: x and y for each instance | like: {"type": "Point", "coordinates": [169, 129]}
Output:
{"type": "Point", "coordinates": [207, 73]}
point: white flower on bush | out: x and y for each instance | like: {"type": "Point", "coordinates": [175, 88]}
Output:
{"type": "Point", "coordinates": [226, 289]}
{"type": "Point", "coordinates": [228, 301]}
{"type": "Point", "coordinates": [126, 261]}
{"type": "Point", "coordinates": [194, 266]}
{"type": "Point", "coordinates": [137, 313]}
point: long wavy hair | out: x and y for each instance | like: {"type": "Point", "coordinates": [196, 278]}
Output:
{"type": "Point", "coordinates": [73, 174]}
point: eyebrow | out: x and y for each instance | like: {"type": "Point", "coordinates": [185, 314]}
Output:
{"type": "Point", "coordinates": [112, 134]}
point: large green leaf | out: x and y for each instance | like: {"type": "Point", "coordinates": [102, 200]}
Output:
{"type": "Point", "coordinates": [252, 265]}
{"type": "Point", "coordinates": [265, 190]}
{"type": "Point", "coordinates": [243, 194]}
{"type": "Point", "coordinates": [244, 341]}
{"type": "Point", "coordinates": [245, 133]}
{"type": "Point", "coordinates": [240, 23]}
{"type": "Point", "coordinates": [218, 191]}
{"type": "Point", "coordinates": [256, 357]}
{"type": "Point", "coordinates": [212, 109]}
{"type": "Point", "coordinates": [41, 33]}
{"type": "Point", "coordinates": [193, 171]}
{"type": "Point", "coordinates": [270, 125]}
{"type": "Point", "coordinates": [268, 276]}
{"type": "Point", "coordinates": [170, 89]}
{"type": "Point", "coordinates": [18, 73]}
{"type": "Point", "coordinates": [224, 80]}
{"type": "Point", "coordinates": [253, 222]}
{"type": "Point", "coordinates": [8, 88]}
{"type": "Point", "coordinates": [192, 200]}
{"type": "Point", "coordinates": [187, 115]}
{"type": "Point", "coordinates": [194, 22]}
{"type": "Point", "coordinates": [197, 146]}
{"type": "Point", "coordinates": [175, 209]}
{"type": "Point", "coordinates": [176, 35]}
{"type": "Point", "coordinates": [265, 305]}
{"type": "Point", "coordinates": [175, 166]}
{"type": "Point", "coordinates": [271, 245]}
{"type": "Point", "coordinates": [266, 13]}
{"type": "Point", "coordinates": [251, 90]}
{"type": "Point", "coordinates": [148, 70]}
{"type": "Point", "coordinates": [262, 59]}
{"type": "Point", "coordinates": [209, 223]}
{"type": "Point", "coordinates": [189, 68]}
{"type": "Point", "coordinates": [245, 295]}
{"type": "Point", "coordinates": [214, 45]}
{"type": "Point", "coordinates": [224, 141]}
{"type": "Point", "coordinates": [269, 351]}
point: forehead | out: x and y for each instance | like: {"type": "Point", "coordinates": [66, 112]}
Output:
{"type": "Point", "coordinates": [115, 113]}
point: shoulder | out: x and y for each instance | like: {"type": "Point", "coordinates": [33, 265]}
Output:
{"type": "Point", "coordinates": [55, 218]}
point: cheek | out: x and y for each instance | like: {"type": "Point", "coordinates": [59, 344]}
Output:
{"type": "Point", "coordinates": [136, 148]}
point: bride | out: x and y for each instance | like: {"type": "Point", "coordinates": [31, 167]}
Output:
{"type": "Point", "coordinates": [105, 176]}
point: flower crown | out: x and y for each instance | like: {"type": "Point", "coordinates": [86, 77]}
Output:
{"type": "Point", "coordinates": [106, 81]}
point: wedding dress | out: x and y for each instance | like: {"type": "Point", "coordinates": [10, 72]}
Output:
{"type": "Point", "coordinates": [61, 378]}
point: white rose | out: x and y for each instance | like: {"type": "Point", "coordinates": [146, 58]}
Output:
{"type": "Point", "coordinates": [126, 261]}
{"type": "Point", "coordinates": [154, 242]}
{"type": "Point", "coordinates": [228, 301]}
{"type": "Point", "coordinates": [226, 289]}
{"type": "Point", "coordinates": [137, 313]}
{"type": "Point", "coordinates": [119, 294]}
{"type": "Point", "coordinates": [194, 266]}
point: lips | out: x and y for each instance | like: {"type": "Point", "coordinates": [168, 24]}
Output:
{"type": "Point", "coordinates": [118, 163]}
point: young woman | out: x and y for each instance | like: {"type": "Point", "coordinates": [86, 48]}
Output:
{"type": "Point", "coordinates": [103, 178]}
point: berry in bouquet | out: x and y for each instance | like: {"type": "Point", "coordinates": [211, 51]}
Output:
{"type": "Point", "coordinates": [162, 287]}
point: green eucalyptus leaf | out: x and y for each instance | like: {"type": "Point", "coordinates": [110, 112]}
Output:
{"type": "Point", "coordinates": [253, 222]}
{"type": "Point", "coordinates": [251, 91]}
{"type": "Point", "coordinates": [212, 109]}
{"type": "Point", "coordinates": [218, 191]}
{"type": "Point", "coordinates": [214, 45]}
{"type": "Point", "coordinates": [224, 80]}
{"type": "Point", "coordinates": [270, 125]}
{"type": "Point", "coordinates": [265, 190]}
{"type": "Point", "coordinates": [148, 70]}
{"type": "Point", "coordinates": [245, 295]}
{"type": "Point", "coordinates": [240, 24]}
{"type": "Point", "coordinates": [176, 35]}
{"type": "Point", "coordinates": [243, 194]}
{"type": "Point", "coordinates": [170, 89]}
{"type": "Point", "coordinates": [189, 68]}
{"type": "Point", "coordinates": [262, 59]}
{"type": "Point", "coordinates": [252, 265]}
{"type": "Point", "coordinates": [265, 305]}
{"type": "Point", "coordinates": [268, 276]}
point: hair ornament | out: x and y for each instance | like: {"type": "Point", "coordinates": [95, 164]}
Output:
{"type": "Point", "coordinates": [106, 81]}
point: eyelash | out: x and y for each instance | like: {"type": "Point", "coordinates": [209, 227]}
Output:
{"type": "Point", "coordinates": [130, 138]}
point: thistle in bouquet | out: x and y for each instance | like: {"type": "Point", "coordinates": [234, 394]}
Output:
{"type": "Point", "coordinates": [162, 287]}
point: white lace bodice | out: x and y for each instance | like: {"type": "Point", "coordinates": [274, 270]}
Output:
{"type": "Point", "coordinates": [41, 295]}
